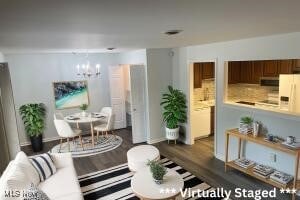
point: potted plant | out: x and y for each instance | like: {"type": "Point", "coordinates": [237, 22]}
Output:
{"type": "Point", "coordinates": [158, 171]}
{"type": "Point", "coordinates": [83, 107]}
{"type": "Point", "coordinates": [33, 116]}
{"type": "Point", "coordinates": [174, 105]}
{"type": "Point", "coordinates": [246, 125]}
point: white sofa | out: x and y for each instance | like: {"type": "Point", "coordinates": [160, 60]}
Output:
{"type": "Point", "coordinates": [63, 185]}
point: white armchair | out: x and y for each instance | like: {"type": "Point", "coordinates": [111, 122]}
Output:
{"type": "Point", "coordinates": [64, 130]}
{"type": "Point", "coordinates": [106, 126]}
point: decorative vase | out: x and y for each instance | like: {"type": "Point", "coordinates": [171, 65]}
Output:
{"type": "Point", "coordinates": [255, 129]}
{"type": "Point", "coordinates": [158, 181]}
{"type": "Point", "coordinates": [245, 128]}
{"type": "Point", "coordinates": [172, 134]}
{"type": "Point", "coordinates": [83, 113]}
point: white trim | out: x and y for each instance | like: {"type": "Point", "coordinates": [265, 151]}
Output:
{"type": "Point", "coordinates": [44, 140]}
{"type": "Point", "coordinates": [220, 156]}
{"type": "Point", "coordinates": [156, 140]}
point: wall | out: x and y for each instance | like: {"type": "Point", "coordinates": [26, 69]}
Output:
{"type": "Point", "coordinates": [273, 47]}
{"type": "Point", "coordinates": [207, 89]}
{"type": "Point", "coordinates": [159, 72]}
{"type": "Point", "coordinates": [32, 76]}
{"type": "Point", "coordinates": [1, 57]}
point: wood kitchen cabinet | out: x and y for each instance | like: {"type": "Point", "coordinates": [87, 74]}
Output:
{"type": "Point", "coordinates": [285, 66]}
{"type": "Point", "coordinates": [270, 68]}
{"type": "Point", "coordinates": [296, 65]}
{"type": "Point", "coordinates": [246, 72]}
{"type": "Point", "coordinates": [208, 70]}
{"type": "Point", "coordinates": [234, 72]}
{"type": "Point", "coordinates": [197, 75]}
{"type": "Point", "coordinates": [257, 71]}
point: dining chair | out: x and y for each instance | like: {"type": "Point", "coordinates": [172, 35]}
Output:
{"type": "Point", "coordinates": [107, 125]}
{"type": "Point", "coordinates": [64, 130]}
{"type": "Point", "coordinates": [58, 115]}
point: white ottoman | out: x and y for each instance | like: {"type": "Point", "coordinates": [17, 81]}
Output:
{"type": "Point", "coordinates": [139, 156]}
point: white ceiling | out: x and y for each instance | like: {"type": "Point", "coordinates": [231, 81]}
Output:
{"type": "Point", "coordinates": [61, 25]}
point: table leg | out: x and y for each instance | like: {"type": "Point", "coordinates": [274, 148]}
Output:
{"type": "Point", "coordinates": [240, 146]}
{"type": "Point", "coordinates": [226, 151]}
{"type": "Point", "coordinates": [92, 133]}
{"type": "Point", "coordinates": [296, 173]}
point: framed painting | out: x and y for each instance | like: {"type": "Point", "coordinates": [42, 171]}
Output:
{"type": "Point", "coordinates": [70, 94]}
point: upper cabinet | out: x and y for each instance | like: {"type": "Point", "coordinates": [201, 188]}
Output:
{"type": "Point", "coordinates": [250, 72]}
{"type": "Point", "coordinates": [202, 71]}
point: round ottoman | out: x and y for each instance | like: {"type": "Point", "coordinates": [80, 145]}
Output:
{"type": "Point", "coordinates": [139, 156]}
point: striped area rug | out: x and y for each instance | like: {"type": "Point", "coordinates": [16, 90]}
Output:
{"type": "Point", "coordinates": [114, 183]}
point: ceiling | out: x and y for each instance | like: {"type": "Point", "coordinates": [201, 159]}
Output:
{"type": "Point", "coordinates": [68, 25]}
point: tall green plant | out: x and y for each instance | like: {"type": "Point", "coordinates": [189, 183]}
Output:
{"type": "Point", "coordinates": [33, 116]}
{"type": "Point", "coordinates": [174, 105]}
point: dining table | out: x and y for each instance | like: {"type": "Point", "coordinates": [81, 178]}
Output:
{"type": "Point", "coordinates": [91, 118]}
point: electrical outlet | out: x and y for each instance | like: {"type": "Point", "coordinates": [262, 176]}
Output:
{"type": "Point", "coordinates": [272, 157]}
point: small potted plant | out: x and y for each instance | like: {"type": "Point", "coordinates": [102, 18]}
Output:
{"type": "Point", "coordinates": [246, 125]}
{"type": "Point", "coordinates": [83, 107]}
{"type": "Point", "coordinates": [33, 116]}
{"type": "Point", "coordinates": [158, 171]}
{"type": "Point", "coordinates": [174, 105]}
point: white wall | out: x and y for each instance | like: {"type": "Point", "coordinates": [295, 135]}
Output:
{"type": "Point", "coordinates": [1, 57]}
{"type": "Point", "coordinates": [32, 76]}
{"type": "Point", "coordinates": [159, 74]}
{"type": "Point", "coordinates": [272, 47]}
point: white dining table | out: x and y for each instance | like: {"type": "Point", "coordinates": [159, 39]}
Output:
{"type": "Point", "coordinates": [90, 118]}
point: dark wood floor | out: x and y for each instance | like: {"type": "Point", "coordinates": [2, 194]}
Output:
{"type": "Point", "coordinates": [198, 159]}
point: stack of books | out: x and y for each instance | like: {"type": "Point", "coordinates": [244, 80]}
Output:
{"type": "Point", "coordinates": [244, 163]}
{"type": "Point", "coordinates": [263, 170]}
{"type": "Point", "coordinates": [281, 177]}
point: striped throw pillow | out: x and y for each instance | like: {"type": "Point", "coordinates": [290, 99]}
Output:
{"type": "Point", "coordinates": [44, 165]}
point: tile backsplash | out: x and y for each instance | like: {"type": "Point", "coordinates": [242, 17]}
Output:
{"type": "Point", "coordinates": [207, 86]}
{"type": "Point", "coordinates": [249, 92]}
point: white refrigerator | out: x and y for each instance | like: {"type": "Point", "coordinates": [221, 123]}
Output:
{"type": "Point", "coordinates": [289, 92]}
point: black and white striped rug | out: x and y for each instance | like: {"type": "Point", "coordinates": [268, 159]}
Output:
{"type": "Point", "coordinates": [114, 183]}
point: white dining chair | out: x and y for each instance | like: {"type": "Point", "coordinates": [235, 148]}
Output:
{"type": "Point", "coordinates": [107, 125]}
{"type": "Point", "coordinates": [64, 130]}
{"type": "Point", "coordinates": [58, 115]}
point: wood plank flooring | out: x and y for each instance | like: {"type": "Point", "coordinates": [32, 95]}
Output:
{"type": "Point", "coordinates": [197, 158]}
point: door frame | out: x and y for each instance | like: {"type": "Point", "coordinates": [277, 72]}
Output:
{"type": "Point", "coordinates": [190, 84]}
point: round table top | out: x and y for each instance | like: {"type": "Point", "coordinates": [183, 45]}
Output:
{"type": "Point", "coordinates": [143, 185]}
{"type": "Point", "coordinates": [78, 118]}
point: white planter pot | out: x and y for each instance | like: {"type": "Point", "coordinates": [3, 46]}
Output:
{"type": "Point", "coordinates": [172, 134]}
{"type": "Point", "coordinates": [83, 114]}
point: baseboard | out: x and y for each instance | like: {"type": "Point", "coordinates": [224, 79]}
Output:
{"type": "Point", "coordinates": [220, 157]}
{"type": "Point", "coordinates": [156, 140]}
{"type": "Point", "coordinates": [44, 140]}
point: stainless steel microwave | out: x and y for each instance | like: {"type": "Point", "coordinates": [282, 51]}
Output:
{"type": "Point", "coordinates": [269, 81]}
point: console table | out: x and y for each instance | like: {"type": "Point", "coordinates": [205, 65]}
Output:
{"type": "Point", "coordinates": [260, 141]}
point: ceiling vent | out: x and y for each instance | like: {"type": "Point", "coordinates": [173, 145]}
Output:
{"type": "Point", "coordinates": [173, 32]}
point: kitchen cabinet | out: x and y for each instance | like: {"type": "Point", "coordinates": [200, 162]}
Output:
{"type": "Point", "coordinates": [270, 68]}
{"type": "Point", "coordinates": [197, 75]}
{"type": "Point", "coordinates": [296, 65]}
{"type": "Point", "coordinates": [257, 71]}
{"type": "Point", "coordinates": [208, 70]}
{"type": "Point", "coordinates": [285, 67]}
{"type": "Point", "coordinates": [234, 72]}
{"type": "Point", "coordinates": [246, 72]}
{"type": "Point", "coordinates": [212, 120]}
{"type": "Point", "coordinates": [200, 123]}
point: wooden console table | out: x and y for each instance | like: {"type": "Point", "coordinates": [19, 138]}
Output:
{"type": "Point", "coordinates": [260, 140]}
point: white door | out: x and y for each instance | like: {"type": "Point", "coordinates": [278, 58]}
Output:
{"type": "Point", "coordinates": [138, 103]}
{"type": "Point", "coordinates": [117, 97]}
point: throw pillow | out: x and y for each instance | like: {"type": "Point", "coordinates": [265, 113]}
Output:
{"type": "Point", "coordinates": [44, 165]}
{"type": "Point", "coordinates": [34, 193]}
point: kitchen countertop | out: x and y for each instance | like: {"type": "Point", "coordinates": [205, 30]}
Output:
{"type": "Point", "coordinates": [200, 105]}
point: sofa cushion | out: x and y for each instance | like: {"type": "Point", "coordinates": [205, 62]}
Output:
{"type": "Point", "coordinates": [44, 166]}
{"type": "Point", "coordinates": [62, 185]}
{"type": "Point", "coordinates": [24, 163]}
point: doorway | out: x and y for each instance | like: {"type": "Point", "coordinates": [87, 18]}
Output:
{"type": "Point", "coordinates": [202, 103]}
{"type": "Point", "coordinates": [135, 101]}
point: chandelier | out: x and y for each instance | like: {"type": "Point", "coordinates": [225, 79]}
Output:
{"type": "Point", "coordinates": [86, 69]}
